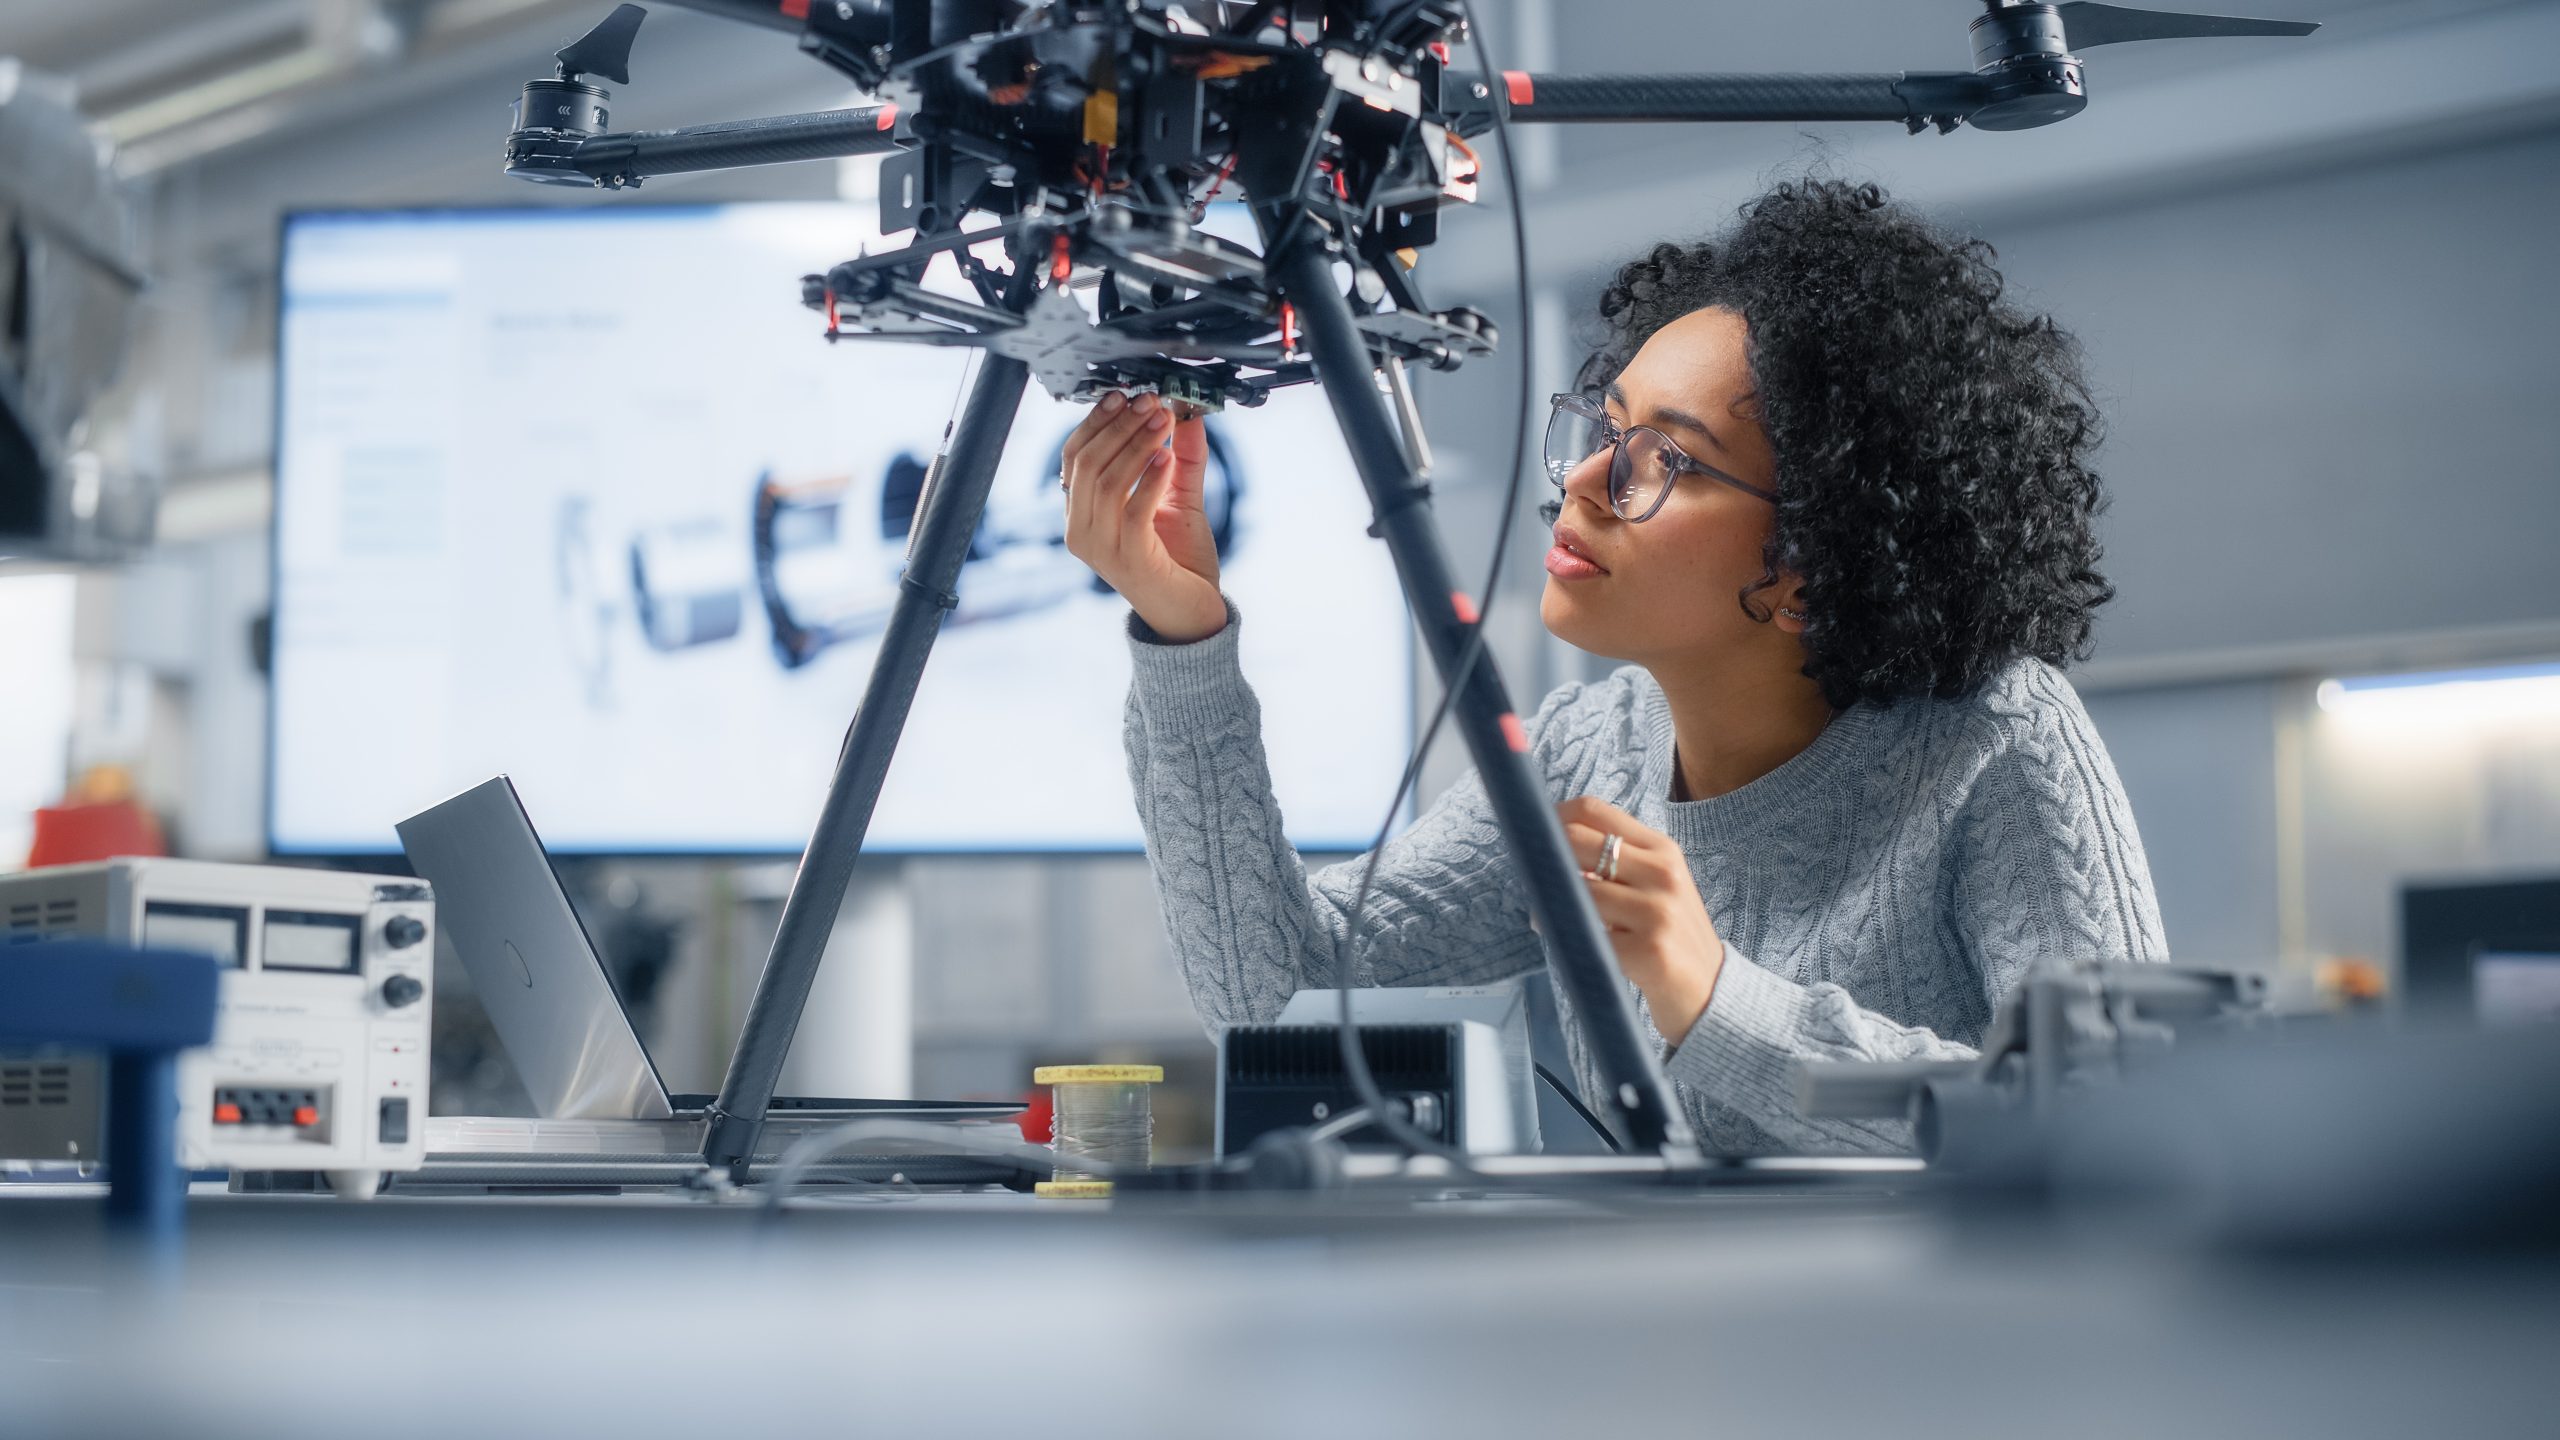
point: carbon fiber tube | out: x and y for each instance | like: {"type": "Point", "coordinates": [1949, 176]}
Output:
{"type": "Point", "coordinates": [734, 144]}
{"type": "Point", "coordinates": [1585, 969]}
{"type": "Point", "coordinates": [945, 520]}
{"type": "Point", "coordinates": [1594, 98]}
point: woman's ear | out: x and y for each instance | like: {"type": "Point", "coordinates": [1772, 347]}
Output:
{"type": "Point", "coordinates": [1787, 605]}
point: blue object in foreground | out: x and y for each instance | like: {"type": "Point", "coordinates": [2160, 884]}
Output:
{"type": "Point", "coordinates": [141, 1007]}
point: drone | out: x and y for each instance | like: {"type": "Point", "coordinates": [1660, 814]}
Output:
{"type": "Point", "coordinates": [1104, 131]}
{"type": "Point", "coordinates": [1063, 155]}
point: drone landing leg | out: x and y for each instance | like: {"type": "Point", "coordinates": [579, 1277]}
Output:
{"type": "Point", "coordinates": [945, 520]}
{"type": "Point", "coordinates": [1585, 968]}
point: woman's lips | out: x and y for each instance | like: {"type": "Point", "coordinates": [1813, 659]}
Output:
{"type": "Point", "coordinates": [1565, 565]}
{"type": "Point", "coordinates": [1571, 558]}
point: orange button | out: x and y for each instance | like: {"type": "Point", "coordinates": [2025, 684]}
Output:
{"type": "Point", "coordinates": [226, 1113]}
{"type": "Point", "coordinates": [305, 1115]}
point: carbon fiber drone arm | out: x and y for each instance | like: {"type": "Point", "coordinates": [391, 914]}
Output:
{"type": "Point", "coordinates": [626, 158]}
{"type": "Point", "coordinates": [734, 144]}
{"type": "Point", "coordinates": [1914, 99]}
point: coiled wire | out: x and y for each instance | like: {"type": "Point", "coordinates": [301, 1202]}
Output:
{"type": "Point", "coordinates": [1100, 1113]}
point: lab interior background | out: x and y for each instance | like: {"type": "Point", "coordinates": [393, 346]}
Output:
{"type": "Point", "coordinates": [2313, 280]}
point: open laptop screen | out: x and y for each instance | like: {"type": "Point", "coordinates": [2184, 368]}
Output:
{"type": "Point", "coordinates": [510, 921]}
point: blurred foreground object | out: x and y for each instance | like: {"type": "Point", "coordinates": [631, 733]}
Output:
{"type": "Point", "coordinates": [140, 1007]}
{"type": "Point", "coordinates": [2180, 1104]}
{"type": "Point", "coordinates": [68, 278]}
{"type": "Point", "coordinates": [2068, 1026]}
{"type": "Point", "coordinates": [2341, 1138]}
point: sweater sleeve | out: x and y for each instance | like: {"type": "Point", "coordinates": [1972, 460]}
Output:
{"type": "Point", "coordinates": [2047, 864]}
{"type": "Point", "coordinates": [1248, 925]}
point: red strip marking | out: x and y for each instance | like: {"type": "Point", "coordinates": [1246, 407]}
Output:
{"type": "Point", "coordinates": [832, 326]}
{"type": "Point", "coordinates": [1288, 327]}
{"type": "Point", "coordinates": [795, 9]}
{"type": "Point", "coordinates": [1515, 732]}
{"type": "Point", "coordinates": [1223, 172]}
{"type": "Point", "coordinates": [888, 119]}
{"type": "Point", "coordinates": [1061, 264]}
{"type": "Point", "coordinates": [1523, 90]}
{"type": "Point", "coordinates": [1465, 607]}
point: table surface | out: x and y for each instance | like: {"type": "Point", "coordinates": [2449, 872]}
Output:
{"type": "Point", "coordinates": [1821, 1308]}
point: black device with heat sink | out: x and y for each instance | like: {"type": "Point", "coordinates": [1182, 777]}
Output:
{"type": "Point", "coordinates": [1283, 1077]}
{"type": "Point", "coordinates": [1454, 1061]}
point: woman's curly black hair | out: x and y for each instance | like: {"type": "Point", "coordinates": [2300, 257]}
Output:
{"type": "Point", "coordinates": [1932, 439]}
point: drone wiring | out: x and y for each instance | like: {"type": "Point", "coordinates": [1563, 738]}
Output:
{"type": "Point", "coordinates": [1355, 1063]}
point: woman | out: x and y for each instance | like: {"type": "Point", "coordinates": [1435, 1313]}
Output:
{"type": "Point", "coordinates": [1829, 494]}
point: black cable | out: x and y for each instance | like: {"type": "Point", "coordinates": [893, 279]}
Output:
{"type": "Point", "coordinates": [1355, 1063]}
{"type": "Point", "coordinates": [1565, 1093]}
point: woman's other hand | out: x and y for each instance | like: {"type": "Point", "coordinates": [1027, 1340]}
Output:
{"type": "Point", "coordinates": [1657, 924]}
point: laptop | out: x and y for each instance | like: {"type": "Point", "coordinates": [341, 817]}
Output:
{"type": "Point", "coordinates": [502, 906]}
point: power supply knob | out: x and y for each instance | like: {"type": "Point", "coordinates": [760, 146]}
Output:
{"type": "Point", "coordinates": [403, 931]}
{"type": "Point", "coordinates": [402, 990]}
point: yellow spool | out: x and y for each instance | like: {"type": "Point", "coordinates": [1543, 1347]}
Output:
{"type": "Point", "coordinates": [1098, 1075]}
{"type": "Point", "coordinates": [1099, 1114]}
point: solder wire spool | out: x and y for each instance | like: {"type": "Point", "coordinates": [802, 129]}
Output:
{"type": "Point", "coordinates": [1099, 1112]}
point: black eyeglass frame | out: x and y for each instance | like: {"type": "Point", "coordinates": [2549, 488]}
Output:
{"type": "Point", "coordinates": [1621, 468]}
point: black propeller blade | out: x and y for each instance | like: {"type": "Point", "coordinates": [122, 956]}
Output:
{"type": "Point", "coordinates": [605, 50]}
{"type": "Point", "coordinates": [2090, 25]}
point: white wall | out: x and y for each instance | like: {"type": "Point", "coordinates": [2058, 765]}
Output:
{"type": "Point", "coordinates": [35, 719]}
{"type": "Point", "coordinates": [2329, 401]}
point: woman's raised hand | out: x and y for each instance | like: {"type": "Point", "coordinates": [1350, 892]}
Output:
{"type": "Point", "coordinates": [1133, 477]}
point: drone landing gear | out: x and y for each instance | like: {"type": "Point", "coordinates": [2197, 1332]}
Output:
{"type": "Point", "coordinates": [946, 518]}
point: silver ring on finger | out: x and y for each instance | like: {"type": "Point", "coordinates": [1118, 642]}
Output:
{"type": "Point", "coordinates": [1607, 869]}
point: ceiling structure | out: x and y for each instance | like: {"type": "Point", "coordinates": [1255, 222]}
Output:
{"type": "Point", "coordinates": [175, 81]}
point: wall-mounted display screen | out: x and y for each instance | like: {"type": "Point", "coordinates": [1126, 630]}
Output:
{"type": "Point", "coordinates": [580, 496]}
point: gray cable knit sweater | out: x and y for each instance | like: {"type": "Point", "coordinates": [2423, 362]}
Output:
{"type": "Point", "coordinates": [1876, 894]}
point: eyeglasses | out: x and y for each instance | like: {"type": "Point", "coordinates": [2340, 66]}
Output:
{"type": "Point", "coordinates": [1643, 467]}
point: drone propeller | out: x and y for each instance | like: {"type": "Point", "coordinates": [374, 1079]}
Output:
{"type": "Point", "coordinates": [606, 50]}
{"type": "Point", "coordinates": [2025, 54]}
{"type": "Point", "coordinates": [2091, 25]}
